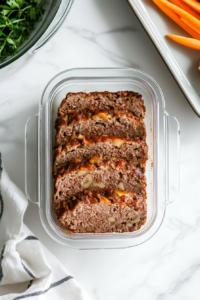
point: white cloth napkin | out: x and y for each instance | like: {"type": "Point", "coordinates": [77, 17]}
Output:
{"type": "Point", "coordinates": [27, 269]}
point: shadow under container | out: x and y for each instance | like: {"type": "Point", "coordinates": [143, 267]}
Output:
{"type": "Point", "coordinates": [163, 139]}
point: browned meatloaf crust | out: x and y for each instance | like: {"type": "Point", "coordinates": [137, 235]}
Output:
{"type": "Point", "coordinates": [99, 122]}
{"type": "Point", "coordinates": [98, 145]}
{"type": "Point", "coordinates": [121, 100]}
{"type": "Point", "coordinates": [98, 173]}
{"type": "Point", "coordinates": [103, 211]}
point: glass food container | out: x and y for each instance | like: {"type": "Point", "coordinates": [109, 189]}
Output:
{"type": "Point", "coordinates": [54, 15]}
{"type": "Point", "coordinates": [163, 138]}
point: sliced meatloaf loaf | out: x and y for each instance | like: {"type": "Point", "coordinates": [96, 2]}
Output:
{"type": "Point", "coordinates": [100, 145]}
{"type": "Point", "coordinates": [104, 100]}
{"type": "Point", "coordinates": [98, 173]}
{"type": "Point", "coordinates": [98, 122]}
{"type": "Point", "coordinates": [103, 211]}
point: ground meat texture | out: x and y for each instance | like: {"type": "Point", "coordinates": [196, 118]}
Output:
{"type": "Point", "coordinates": [106, 146]}
{"type": "Point", "coordinates": [98, 173]}
{"type": "Point", "coordinates": [99, 122]}
{"type": "Point", "coordinates": [103, 211]}
{"type": "Point", "coordinates": [127, 100]}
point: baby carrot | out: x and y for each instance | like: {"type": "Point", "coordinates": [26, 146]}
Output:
{"type": "Point", "coordinates": [181, 13]}
{"type": "Point", "coordinates": [186, 8]}
{"type": "Point", "coordinates": [176, 19]}
{"type": "Point", "coordinates": [191, 25]}
{"type": "Point", "coordinates": [194, 4]}
{"type": "Point", "coordinates": [188, 42]}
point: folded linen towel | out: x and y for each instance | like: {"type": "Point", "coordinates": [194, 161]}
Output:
{"type": "Point", "coordinates": [27, 269]}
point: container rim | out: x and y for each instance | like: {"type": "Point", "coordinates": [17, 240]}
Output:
{"type": "Point", "coordinates": [81, 73]}
{"type": "Point", "coordinates": [104, 68]}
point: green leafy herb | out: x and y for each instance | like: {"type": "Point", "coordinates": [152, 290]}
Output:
{"type": "Point", "coordinates": [17, 20]}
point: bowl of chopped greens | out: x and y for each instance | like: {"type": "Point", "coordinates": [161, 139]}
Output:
{"type": "Point", "coordinates": [26, 25]}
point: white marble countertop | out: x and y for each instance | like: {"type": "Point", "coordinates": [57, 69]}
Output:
{"type": "Point", "coordinates": [105, 33]}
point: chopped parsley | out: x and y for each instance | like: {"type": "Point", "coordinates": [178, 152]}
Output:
{"type": "Point", "coordinates": [17, 20]}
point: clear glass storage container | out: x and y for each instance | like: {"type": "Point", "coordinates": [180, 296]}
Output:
{"type": "Point", "coordinates": [163, 139]}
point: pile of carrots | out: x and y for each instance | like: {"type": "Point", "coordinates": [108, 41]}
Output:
{"type": "Point", "coordinates": [186, 13]}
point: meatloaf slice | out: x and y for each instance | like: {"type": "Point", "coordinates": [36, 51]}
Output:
{"type": "Point", "coordinates": [100, 145]}
{"type": "Point", "coordinates": [98, 122]}
{"type": "Point", "coordinates": [103, 211]}
{"type": "Point", "coordinates": [104, 100]}
{"type": "Point", "coordinates": [98, 173]}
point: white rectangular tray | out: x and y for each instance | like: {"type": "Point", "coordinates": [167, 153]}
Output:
{"type": "Point", "coordinates": [182, 61]}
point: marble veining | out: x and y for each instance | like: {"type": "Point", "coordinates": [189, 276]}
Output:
{"type": "Point", "coordinates": [105, 33]}
{"type": "Point", "coordinates": [94, 38]}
